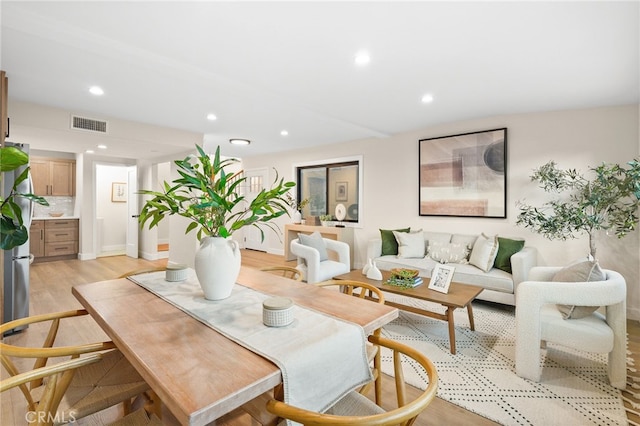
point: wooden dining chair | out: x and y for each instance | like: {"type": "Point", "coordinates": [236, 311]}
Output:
{"type": "Point", "coordinates": [364, 291]}
{"type": "Point", "coordinates": [72, 388]}
{"type": "Point", "coordinates": [284, 271]}
{"type": "Point", "coordinates": [357, 410]}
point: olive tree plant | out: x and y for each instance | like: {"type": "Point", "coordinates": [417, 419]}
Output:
{"type": "Point", "coordinates": [607, 200]}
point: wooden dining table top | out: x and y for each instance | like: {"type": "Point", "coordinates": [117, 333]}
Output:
{"type": "Point", "coordinates": [198, 373]}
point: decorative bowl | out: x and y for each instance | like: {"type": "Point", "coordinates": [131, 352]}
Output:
{"type": "Point", "coordinates": [407, 273]}
{"type": "Point", "coordinates": [55, 214]}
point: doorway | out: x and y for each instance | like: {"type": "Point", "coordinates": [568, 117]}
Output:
{"type": "Point", "coordinates": [112, 193]}
{"type": "Point", "coordinates": [254, 183]}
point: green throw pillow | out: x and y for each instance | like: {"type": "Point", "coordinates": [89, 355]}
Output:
{"type": "Point", "coordinates": [506, 249]}
{"type": "Point", "coordinates": [389, 242]}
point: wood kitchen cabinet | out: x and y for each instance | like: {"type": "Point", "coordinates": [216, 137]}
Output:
{"type": "Point", "coordinates": [54, 239]}
{"type": "Point", "coordinates": [53, 176]}
{"type": "Point", "coordinates": [36, 238]}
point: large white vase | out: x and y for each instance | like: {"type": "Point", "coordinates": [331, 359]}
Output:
{"type": "Point", "coordinates": [217, 265]}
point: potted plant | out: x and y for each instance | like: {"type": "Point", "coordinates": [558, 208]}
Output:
{"type": "Point", "coordinates": [209, 196]}
{"type": "Point", "coordinates": [325, 219]}
{"type": "Point", "coordinates": [297, 207]}
{"type": "Point", "coordinates": [608, 201]}
{"type": "Point", "coordinates": [14, 232]}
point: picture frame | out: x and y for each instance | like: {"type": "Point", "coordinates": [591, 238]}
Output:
{"type": "Point", "coordinates": [441, 278]}
{"type": "Point", "coordinates": [118, 192]}
{"type": "Point", "coordinates": [464, 175]}
{"type": "Point", "coordinates": [342, 191]}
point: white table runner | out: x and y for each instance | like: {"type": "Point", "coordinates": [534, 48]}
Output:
{"type": "Point", "coordinates": [321, 357]}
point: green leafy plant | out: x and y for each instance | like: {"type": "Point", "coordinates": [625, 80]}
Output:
{"type": "Point", "coordinates": [14, 232]}
{"type": "Point", "coordinates": [609, 201]}
{"type": "Point", "coordinates": [209, 196]}
{"type": "Point", "coordinates": [326, 217]}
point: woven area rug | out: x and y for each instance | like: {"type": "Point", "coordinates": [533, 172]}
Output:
{"type": "Point", "coordinates": [481, 377]}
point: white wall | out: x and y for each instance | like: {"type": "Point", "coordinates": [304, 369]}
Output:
{"type": "Point", "coordinates": [574, 139]}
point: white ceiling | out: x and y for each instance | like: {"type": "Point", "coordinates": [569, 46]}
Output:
{"type": "Point", "coordinates": [262, 67]}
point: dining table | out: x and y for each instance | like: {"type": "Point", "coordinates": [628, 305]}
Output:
{"type": "Point", "coordinates": [197, 372]}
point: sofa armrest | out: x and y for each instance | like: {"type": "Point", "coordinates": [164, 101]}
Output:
{"type": "Point", "coordinates": [374, 248]}
{"type": "Point", "coordinates": [521, 264]}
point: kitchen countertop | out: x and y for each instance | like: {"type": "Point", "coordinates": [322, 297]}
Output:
{"type": "Point", "coordinates": [53, 218]}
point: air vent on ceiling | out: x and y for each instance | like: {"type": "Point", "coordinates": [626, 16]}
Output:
{"type": "Point", "coordinates": [88, 124]}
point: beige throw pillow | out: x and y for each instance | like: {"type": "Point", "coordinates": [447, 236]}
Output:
{"type": "Point", "coordinates": [448, 252]}
{"type": "Point", "coordinates": [410, 244]}
{"type": "Point", "coordinates": [583, 271]}
{"type": "Point", "coordinates": [484, 252]}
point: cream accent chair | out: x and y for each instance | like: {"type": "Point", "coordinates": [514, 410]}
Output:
{"type": "Point", "coordinates": [538, 320]}
{"type": "Point", "coordinates": [313, 269]}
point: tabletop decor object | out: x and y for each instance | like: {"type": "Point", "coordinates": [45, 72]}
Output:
{"type": "Point", "coordinates": [406, 278]}
{"type": "Point", "coordinates": [374, 273]}
{"type": "Point", "coordinates": [277, 312]}
{"type": "Point", "coordinates": [209, 194]}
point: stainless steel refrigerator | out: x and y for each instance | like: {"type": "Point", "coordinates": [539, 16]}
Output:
{"type": "Point", "coordinates": [17, 260]}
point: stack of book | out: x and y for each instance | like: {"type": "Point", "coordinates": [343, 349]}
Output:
{"type": "Point", "coordinates": [404, 278]}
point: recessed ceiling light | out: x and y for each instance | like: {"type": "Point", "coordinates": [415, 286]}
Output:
{"type": "Point", "coordinates": [89, 151]}
{"type": "Point", "coordinates": [96, 90]}
{"type": "Point", "coordinates": [427, 98]}
{"type": "Point", "coordinates": [239, 141]}
{"type": "Point", "coordinates": [211, 117]}
{"type": "Point", "coordinates": [101, 146]}
{"type": "Point", "coordinates": [284, 133]}
{"type": "Point", "coordinates": [362, 58]}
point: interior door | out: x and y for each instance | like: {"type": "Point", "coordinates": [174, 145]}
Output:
{"type": "Point", "coordinates": [132, 212]}
{"type": "Point", "coordinates": [253, 185]}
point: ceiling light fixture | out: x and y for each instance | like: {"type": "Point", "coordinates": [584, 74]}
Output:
{"type": "Point", "coordinates": [96, 90]}
{"type": "Point", "coordinates": [427, 99]}
{"type": "Point", "coordinates": [239, 141]}
{"type": "Point", "coordinates": [101, 146]}
{"type": "Point", "coordinates": [211, 117]}
{"type": "Point", "coordinates": [284, 133]}
{"type": "Point", "coordinates": [362, 58]}
{"type": "Point", "coordinates": [89, 151]}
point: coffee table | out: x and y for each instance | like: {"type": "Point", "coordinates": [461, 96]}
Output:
{"type": "Point", "coordinates": [459, 296]}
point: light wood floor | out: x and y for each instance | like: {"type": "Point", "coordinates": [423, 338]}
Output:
{"type": "Point", "coordinates": [50, 291]}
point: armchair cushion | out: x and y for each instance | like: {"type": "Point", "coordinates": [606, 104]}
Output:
{"type": "Point", "coordinates": [410, 244]}
{"type": "Point", "coordinates": [389, 242]}
{"type": "Point", "coordinates": [316, 241]}
{"type": "Point", "coordinates": [584, 271]}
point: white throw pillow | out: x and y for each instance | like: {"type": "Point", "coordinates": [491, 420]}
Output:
{"type": "Point", "coordinates": [315, 240]}
{"type": "Point", "coordinates": [484, 252]}
{"type": "Point", "coordinates": [448, 252]}
{"type": "Point", "coordinates": [410, 244]}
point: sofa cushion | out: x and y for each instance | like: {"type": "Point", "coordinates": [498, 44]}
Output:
{"type": "Point", "coordinates": [410, 244]}
{"type": "Point", "coordinates": [468, 240]}
{"type": "Point", "coordinates": [448, 252]}
{"type": "Point", "coordinates": [484, 252]}
{"type": "Point", "coordinates": [315, 240]}
{"type": "Point", "coordinates": [583, 271]}
{"type": "Point", "coordinates": [389, 242]}
{"type": "Point", "coordinates": [507, 248]}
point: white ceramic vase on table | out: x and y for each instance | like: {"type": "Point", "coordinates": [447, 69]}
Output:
{"type": "Point", "coordinates": [374, 273]}
{"type": "Point", "coordinates": [217, 265]}
{"type": "Point", "coordinates": [297, 216]}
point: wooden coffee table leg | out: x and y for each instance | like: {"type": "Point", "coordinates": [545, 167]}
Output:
{"type": "Point", "coordinates": [452, 330]}
{"type": "Point", "coordinates": [472, 325]}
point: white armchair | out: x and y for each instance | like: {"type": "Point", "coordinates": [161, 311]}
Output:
{"type": "Point", "coordinates": [538, 320]}
{"type": "Point", "coordinates": [315, 270]}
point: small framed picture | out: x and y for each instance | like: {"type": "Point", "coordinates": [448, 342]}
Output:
{"type": "Point", "coordinates": [342, 191]}
{"type": "Point", "coordinates": [118, 192]}
{"type": "Point", "coordinates": [441, 278]}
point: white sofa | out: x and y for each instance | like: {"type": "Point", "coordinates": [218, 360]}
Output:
{"type": "Point", "coordinates": [499, 286]}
